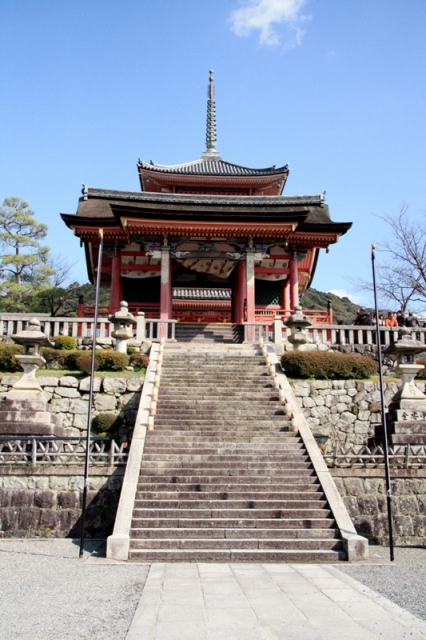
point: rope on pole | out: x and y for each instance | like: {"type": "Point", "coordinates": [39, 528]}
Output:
{"type": "Point", "coordinates": [382, 399]}
{"type": "Point", "coordinates": [92, 379]}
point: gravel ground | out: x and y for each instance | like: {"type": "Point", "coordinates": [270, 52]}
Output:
{"type": "Point", "coordinates": [47, 593]}
{"type": "Point", "coordinates": [402, 581]}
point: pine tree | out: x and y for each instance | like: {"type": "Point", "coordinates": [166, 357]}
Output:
{"type": "Point", "coordinates": [24, 260]}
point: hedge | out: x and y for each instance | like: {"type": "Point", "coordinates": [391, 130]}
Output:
{"type": "Point", "coordinates": [326, 365]}
{"type": "Point", "coordinates": [7, 357]}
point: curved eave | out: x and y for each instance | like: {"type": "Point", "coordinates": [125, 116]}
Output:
{"type": "Point", "coordinates": [135, 226]}
{"type": "Point", "coordinates": [201, 167]}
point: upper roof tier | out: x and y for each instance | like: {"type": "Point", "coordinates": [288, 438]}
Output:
{"type": "Point", "coordinates": [211, 174]}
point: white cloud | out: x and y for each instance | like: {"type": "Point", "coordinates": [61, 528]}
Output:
{"type": "Point", "coordinates": [265, 15]}
{"type": "Point", "coordinates": [342, 293]}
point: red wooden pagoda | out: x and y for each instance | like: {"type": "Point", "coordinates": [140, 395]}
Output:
{"type": "Point", "coordinates": [205, 241]}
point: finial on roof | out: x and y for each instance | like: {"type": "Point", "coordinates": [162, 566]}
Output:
{"type": "Point", "coordinates": [211, 138]}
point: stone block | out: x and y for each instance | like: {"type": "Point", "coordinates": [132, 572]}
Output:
{"type": "Point", "coordinates": [110, 499]}
{"type": "Point", "coordinates": [354, 486]}
{"type": "Point", "coordinates": [129, 401]}
{"type": "Point", "coordinates": [66, 392]}
{"type": "Point", "coordinates": [308, 402]}
{"type": "Point", "coordinates": [28, 519]}
{"type": "Point", "coordinates": [72, 432]}
{"type": "Point", "coordinates": [68, 381]}
{"type": "Point", "coordinates": [398, 487]}
{"type": "Point", "coordinates": [361, 428]}
{"type": "Point", "coordinates": [65, 419]}
{"type": "Point", "coordinates": [94, 498]}
{"type": "Point", "coordinates": [85, 385]}
{"type": "Point", "coordinates": [114, 385]}
{"type": "Point", "coordinates": [422, 503]}
{"type": "Point", "coordinates": [80, 422]}
{"type": "Point", "coordinates": [48, 519]}
{"type": "Point", "coordinates": [9, 381]}
{"type": "Point", "coordinates": [319, 401]}
{"type": "Point", "coordinates": [403, 525]}
{"type": "Point", "coordinates": [419, 527]}
{"type": "Point", "coordinates": [9, 519]}
{"type": "Point", "coordinates": [360, 395]}
{"type": "Point", "coordinates": [368, 505]}
{"type": "Point", "coordinates": [22, 498]}
{"type": "Point", "coordinates": [5, 498]}
{"type": "Point", "coordinates": [363, 415]}
{"type": "Point", "coordinates": [321, 384]}
{"type": "Point", "coordinates": [45, 499]}
{"type": "Point", "coordinates": [79, 406]}
{"type": "Point", "coordinates": [58, 483]}
{"type": "Point", "coordinates": [48, 381]}
{"type": "Point", "coordinates": [374, 485]}
{"type": "Point", "coordinates": [338, 384]}
{"type": "Point", "coordinates": [76, 483]}
{"type": "Point", "coordinates": [349, 417]}
{"type": "Point", "coordinates": [330, 400]}
{"type": "Point", "coordinates": [351, 505]}
{"type": "Point", "coordinates": [406, 505]}
{"type": "Point", "coordinates": [104, 402]}
{"type": "Point", "coordinates": [60, 405]}
{"type": "Point", "coordinates": [135, 384]}
{"type": "Point", "coordinates": [68, 519]}
{"type": "Point", "coordinates": [114, 483]}
{"type": "Point", "coordinates": [69, 499]}
{"type": "Point", "coordinates": [15, 482]}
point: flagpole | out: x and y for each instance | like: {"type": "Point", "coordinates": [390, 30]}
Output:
{"type": "Point", "coordinates": [382, 399]}
{"type": "Point", "coordinates": [92, 379]}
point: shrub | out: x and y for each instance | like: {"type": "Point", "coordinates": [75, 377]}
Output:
{"type": "Point", "coordinates": [139, 361]}
{"type": "Point", "coordinates": [421, 374]}
{"type": "Point", "coordinates": [65, 343]}
{"type": "Point", "coordinates": [53, 358]}
{"type": "Point", "coordinates": [322, 365]}
{"type": "Point", "coordinates": [84, 362]}
{"type": "Point", "coordinates": [107, 423]}
{"type": "Point", "coordinates": [69, 359]}
{"type": "Point", "coordinates": [7, 357]}
{"type": "Point", "coordinates": [112, 360]}
{"type": "Point", "coordinates": [131, 351]}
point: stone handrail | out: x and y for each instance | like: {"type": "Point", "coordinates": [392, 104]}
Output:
{"type": "Point", "coordinates": [12, 323]}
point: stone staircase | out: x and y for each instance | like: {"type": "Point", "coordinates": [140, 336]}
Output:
{"type": "Point", "coordinates": [220, 333]}
{"type": "Point", "coordinates": [223, 478]}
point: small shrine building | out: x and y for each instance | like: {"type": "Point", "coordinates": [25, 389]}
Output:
{"type": "Point", "coordinates": [205, 241]}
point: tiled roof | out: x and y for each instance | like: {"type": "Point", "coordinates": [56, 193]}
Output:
{"type": "Point", "coordinates": [201, 294]}
{"type": "Point", "coordinates": [211, 167]}
{"type": "Point", "coordinates": [171, 198]}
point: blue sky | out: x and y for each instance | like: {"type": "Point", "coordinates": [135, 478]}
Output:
{"type": "Point", "coordinates": [334, 88]}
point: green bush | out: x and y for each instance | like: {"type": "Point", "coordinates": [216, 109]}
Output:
{"type": "Point", "coordinates": [326, 365]}
{"type": "Point", "coordinates": [131, 351]}
{"type": "Point", "coordinates": [107, 423]}
{"type": "Point", "coordinates": [112, 360]}
{"type": "Point", "coordinates": [421, 374]}
{"type": "Point", "coordinates": [69, 359]}
{"type": "Point", "coordinates": [7, 357]}
{"type": "Point", "coordinates": [53, 358]}
{"type": "Point", "coordinates": [84, 362]}
{"type": "Point", "coordinates": [139, 361]}
{"type": "Point", "coordinates": [65, 343]}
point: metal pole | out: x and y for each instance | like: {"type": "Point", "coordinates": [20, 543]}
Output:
{"type": "Point", "coordinates": [382, 398]}
{"type": "Point", "coordinates": [92, 379]}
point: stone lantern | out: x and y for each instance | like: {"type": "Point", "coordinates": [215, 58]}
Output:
{"type": "Point", "coordinates": [24, 410]}
{"type": "Point", "coordinates": [123, 327]}
{"type": "Point", "coordinates": [407, 411]}
{"type": "Point", "coordinates": [297, 323]}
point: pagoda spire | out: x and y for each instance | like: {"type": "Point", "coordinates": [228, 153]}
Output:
{"type": "Point", "coordinates": [211, 138]}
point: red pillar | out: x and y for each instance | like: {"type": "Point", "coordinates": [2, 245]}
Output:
{"type": "Point", "coordinates": [165, 290]}
{"type": "Point", "coordinates": [116, 286]}
{"type": "Point", "coordinates": [239, 293]}
{"type": "Point", "coordinates": [294, 282]}
{"type": "Point", "coordinates": [286, 297]}
{"type": "Point", "coordinates": [250, 304]}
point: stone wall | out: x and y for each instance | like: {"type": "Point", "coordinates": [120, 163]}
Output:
{"type": "Point", "coordinates": [343, 411]}
{"type": "Point", "coordinates": [364, 494]}
{"type": "Point", "coordinates": [68, 398]}
{"type": "Point", "coordinates": [46, 501]}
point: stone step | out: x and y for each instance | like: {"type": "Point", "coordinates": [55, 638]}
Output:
{"type": "Point", "coordinates": [275, 474]}
{"type": "Point", "coordinates": [233, 523]}
{"type": "Point", "coordinates": [218, 533]}
{"type": "Point", "coordinates": [254, 504]}
{"type": "Point", "coordinates": [291, 476]}
{"type": "Point", "coordinates": [235, 555]}
{"type": "Point", "coordinates": [152, 449]}
{"type": "Point", "coordinates": [209, 468]}
{"type": "Point", "coordinates": [238, 543]}
{"type": "Point", "coordinates": [309, 485]}
{"type": "Point", "coordinates": [231, 496]}
{"type": "Point", "coordinates": [218, 513]}
{"type": "Point", "coordinates": [220, 458]}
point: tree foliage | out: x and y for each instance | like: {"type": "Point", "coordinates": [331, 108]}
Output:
{"type": "Point", "coordinates": [24, 260]}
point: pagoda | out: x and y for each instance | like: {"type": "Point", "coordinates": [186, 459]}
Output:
{"type": "Point", "coordinates": [205, 241]}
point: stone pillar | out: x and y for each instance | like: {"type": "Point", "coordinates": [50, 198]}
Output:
{"type": "Point", "coordinates": [116, 287]}
{"type": "Point", "coordinates": [140, 326]}
{"type": "Point", "coordinates": [250, 300]}
{"type": "Point", "coordinates": [294, 282]}
{"type": "Point", "coordinates": [165, 290]}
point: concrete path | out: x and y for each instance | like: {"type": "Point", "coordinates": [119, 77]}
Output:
{"type": "Point", "coordinates": [264, 602]}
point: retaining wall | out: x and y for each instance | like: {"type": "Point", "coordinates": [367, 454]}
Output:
{"type": "Point", "coordinates": [46, 501]}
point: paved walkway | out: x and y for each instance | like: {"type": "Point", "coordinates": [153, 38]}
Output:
{"type": "Point", "coordinates": [265, 602]}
